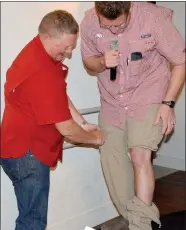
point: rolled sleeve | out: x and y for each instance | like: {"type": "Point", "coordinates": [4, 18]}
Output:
{"type": "Point", "coordinates": [169, 42]}
{"type": "Point", "coordinates": [88, 46]}
{"type": "Point", "coordinates": [48, 98]}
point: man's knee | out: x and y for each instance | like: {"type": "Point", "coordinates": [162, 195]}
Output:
{"type": "Point", "coordinates": [140, 156]}
{"type": "Point", "coordinates": [32, 204]}
{"type": "Point", "coordinates": [32, 190]}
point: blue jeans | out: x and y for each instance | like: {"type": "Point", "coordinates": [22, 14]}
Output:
{"type": "Point", "coordinates": [31, 181]}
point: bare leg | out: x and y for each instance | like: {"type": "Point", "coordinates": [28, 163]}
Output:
{"type": "Point", "coordinates": [143, 174]}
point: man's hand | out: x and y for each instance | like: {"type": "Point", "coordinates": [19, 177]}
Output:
{"type": "Point", "coordinates": [111, 58]}
{"type": "Point", "coordinates": [90, 127]}
{"type": "Point", "coordinates": [100, 137]}
{"type": "Point", "coordinates": [168, 117]}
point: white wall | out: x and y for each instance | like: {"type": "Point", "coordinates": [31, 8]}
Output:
{"type": "Point", "coordinates": [172, 154]}
{"type": "Point", "coordinates": [78, 195]}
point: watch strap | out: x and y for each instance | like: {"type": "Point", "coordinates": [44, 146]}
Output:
{"type": "Point", "coordinates": [171, 104]}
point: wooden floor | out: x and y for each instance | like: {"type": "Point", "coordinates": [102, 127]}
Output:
{"type": "Point", "coordinates": [170, 193]}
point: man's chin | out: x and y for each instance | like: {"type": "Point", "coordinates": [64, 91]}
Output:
{"type": "Point", "coordinates": [60, 59]}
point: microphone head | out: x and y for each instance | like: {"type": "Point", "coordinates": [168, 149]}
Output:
{"type": "Point", "coordinates": [114, 44]}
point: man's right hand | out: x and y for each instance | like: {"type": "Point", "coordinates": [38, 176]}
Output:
{"type": "Point", "coordinates": [111, 58]}
{"type": "Point", "coordinates": [73, 132]}
{"type": "Point", "coordinates": [100, 138]}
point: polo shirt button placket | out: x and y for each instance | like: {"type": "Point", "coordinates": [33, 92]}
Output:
{"type": "Point", "coordinates": [122, 78]}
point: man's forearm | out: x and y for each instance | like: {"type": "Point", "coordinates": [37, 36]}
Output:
{"type": "Point", "coordinates": [95, 64]}
{"type": "Point", "coordinates": [77, 117]}
{"type": "Point", "coordinates": [73, 132]}
{"type": "Point", "coordinates": [176, 81]}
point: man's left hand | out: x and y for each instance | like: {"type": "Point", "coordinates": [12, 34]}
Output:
{"type": "Point", "coordinates": [168, 117]}
{"type": "Point", "coordinates": [90, 127]}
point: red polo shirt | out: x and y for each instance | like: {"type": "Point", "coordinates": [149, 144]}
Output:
{"type": "Point", "coordinates": [35, 99]}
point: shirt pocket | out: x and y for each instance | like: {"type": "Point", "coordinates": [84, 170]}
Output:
{"type": "Point", "coordinates": [145, 47]}
{"type": "Point", "coordinates": [135, 66]}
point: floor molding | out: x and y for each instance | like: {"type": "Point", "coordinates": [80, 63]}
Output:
{"type": "Point", "coordinates": [170, 162]}
{"type": "Point", "coordinates": [100, 214]}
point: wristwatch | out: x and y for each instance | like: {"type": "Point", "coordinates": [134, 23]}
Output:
{"type": "Point", "coordinates": [171, 104]}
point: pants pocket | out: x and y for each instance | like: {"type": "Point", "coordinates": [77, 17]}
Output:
{"type": "Point", "coordinates": [11, 168]}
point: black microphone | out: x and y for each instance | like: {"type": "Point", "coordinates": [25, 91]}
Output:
{"type": "Point", "coordinates": [113, 70]}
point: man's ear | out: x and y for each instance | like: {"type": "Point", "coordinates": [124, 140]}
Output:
{"type": "Point", "coordinates": [46, 37]}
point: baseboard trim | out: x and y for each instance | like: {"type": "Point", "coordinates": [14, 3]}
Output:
{"type": "Point", "coordinates": [169, 162]}
{"type": "Point", "coordinates": [97, 216]}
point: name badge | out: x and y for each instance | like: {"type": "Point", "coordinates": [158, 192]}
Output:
{"type": "Point", "coordinates": [146, 36]}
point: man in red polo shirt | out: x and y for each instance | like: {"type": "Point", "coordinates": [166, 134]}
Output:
{"type": "Point", "coordinates": [38, 114]}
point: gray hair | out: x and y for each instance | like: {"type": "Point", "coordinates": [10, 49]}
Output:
{"type": "Point", "coordinates": [58, 22]}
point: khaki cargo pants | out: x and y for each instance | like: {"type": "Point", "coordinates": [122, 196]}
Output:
{"type": "Point", "coordinates": [115, 160]}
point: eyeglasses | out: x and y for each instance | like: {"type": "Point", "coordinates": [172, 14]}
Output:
{"type": "Point", "coordinates": [115, 29]}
